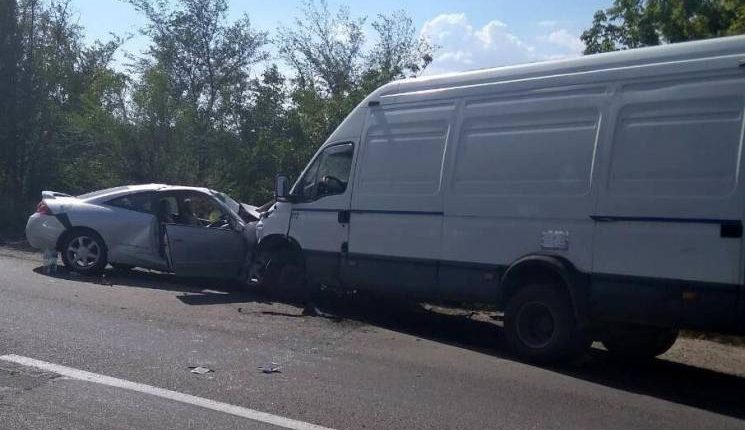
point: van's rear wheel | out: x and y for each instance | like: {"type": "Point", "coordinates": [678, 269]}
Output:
{"type": "Point", "coordinates": [540, 325]}
{"type": "Point", "coordinates": [638, 342]}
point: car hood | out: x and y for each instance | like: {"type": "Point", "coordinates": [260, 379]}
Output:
{"type": "Point", "coordinates": [252, 210]}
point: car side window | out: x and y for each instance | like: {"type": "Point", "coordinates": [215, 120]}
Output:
{"type": "Point", "coordinates": [200, 210]}
{"type": "Point", "coordinates": [328, 175]}
{"type": "Point", "coordinates": [139, 202]}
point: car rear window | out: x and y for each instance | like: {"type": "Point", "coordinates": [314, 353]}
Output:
{"type": "Point", "coordinates": [93, 194]}
{"type": "Point", "coordinates": [140, 202]}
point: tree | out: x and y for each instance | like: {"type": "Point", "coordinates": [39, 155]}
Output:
{"type": "Point", "coordinates": [398, 52]}
{"type": "Point", "coordinates": [333, 71]}
{"type": "Point", "coordinates": [207, 61]}
{"type": "Point", "coordinates": [325, 49]}
{"type": "Point", "coordinates": [635, 23]}
{"type": "Point", "coordinates": [189, 111]}
{"type": "Point", "coordinates": [10, 52]}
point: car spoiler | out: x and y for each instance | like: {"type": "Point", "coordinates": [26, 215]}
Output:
{"type": "Point", "coordinates": [53, 194]}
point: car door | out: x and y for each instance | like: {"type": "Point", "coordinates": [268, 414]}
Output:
{"type": "Point", "coordinates": [320, 211]}
{"type": "Point", "coordinates": [132, 235]}
{"type": "Point", "coordinates": [206, 242]}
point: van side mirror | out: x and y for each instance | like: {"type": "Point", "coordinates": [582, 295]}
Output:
{"type": "Point", "coordinates": [281, 187]}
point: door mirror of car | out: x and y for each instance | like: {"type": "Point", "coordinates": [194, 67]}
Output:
{"type": "Point", "coordinates": [281, 188]}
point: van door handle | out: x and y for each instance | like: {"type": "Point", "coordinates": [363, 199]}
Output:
{"type": "Point", "coordinates": [343, 217]}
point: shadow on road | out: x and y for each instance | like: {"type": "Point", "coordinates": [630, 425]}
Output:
{"type": "Point", "coordinates": [196, 291]}
{"type": "Point", "coordinates": [675, 382]}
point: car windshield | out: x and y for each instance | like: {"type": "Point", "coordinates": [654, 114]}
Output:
{"type": "Point", "coordinates": [228, 201]}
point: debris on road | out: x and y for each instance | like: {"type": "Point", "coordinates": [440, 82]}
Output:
{"type": "Point", "coordinates": [312, 310]}
{"type": "Point", "coordinates": [199, 370]}
{"type": "Point", "coordinates": [270, 368]}
{"type": "Point", "coordinates": [49, 257]}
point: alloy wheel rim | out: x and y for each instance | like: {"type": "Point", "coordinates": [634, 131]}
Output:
{"type": "Point", "coordinates": [84, 252]}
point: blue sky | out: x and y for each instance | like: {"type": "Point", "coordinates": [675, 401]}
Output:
{"type": "Point", "coordinates": [471, 34]}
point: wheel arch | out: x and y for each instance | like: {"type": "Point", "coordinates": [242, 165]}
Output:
{"type": "Point", "coordinates": [555, 269]}
{"type": "Point", "coordinates": [72, 230]}
{"type": "Point", "coordinates": [278, 241]}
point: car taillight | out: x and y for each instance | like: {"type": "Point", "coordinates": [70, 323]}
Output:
{"type": "Point", "coordinates": [42, 208]}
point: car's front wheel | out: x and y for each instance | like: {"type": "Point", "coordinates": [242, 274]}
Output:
{"type": "Point", "coordinates": [84, 251]}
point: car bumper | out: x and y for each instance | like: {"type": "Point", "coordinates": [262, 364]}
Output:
{"type": "Point", "coordinates": [43, 231]}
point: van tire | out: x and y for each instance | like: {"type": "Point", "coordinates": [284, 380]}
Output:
{"type": "Point", "coordinates": [540, 325]}
{"type": "Point", "coordinates": [281, 275]}
{"type": "Point", "coordinates": [638, 342]}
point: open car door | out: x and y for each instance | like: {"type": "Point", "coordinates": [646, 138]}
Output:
{"type": "Point", "coordinates": [203, 251]}
{"type": "Point", "coordinates": [202, 239]}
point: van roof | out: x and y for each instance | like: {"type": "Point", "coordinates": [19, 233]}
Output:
{"type": "Point", "coordinates": [734, 45]}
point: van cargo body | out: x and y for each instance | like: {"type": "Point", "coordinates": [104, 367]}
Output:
{"type": "Point", "coordinates": [611, 183]}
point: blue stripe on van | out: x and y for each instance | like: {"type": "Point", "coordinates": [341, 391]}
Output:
{"type": "Point", "coordinates": [607, 218]}
{"type": "Point", "coordinates": [370, 211]}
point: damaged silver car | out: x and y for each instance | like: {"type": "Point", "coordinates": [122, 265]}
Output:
{"type": "Point", "coordinates": [188, 231]}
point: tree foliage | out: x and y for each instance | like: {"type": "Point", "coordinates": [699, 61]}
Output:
{"type": "Point", "coordinates": [202, 106]}
{"type": "Point", "coordinates": [635, 23]}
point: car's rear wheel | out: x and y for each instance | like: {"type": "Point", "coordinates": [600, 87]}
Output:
{"type": "Point", "coordinates": [84, 251]}
{"type": "Point", "coordinates": [540, 325]}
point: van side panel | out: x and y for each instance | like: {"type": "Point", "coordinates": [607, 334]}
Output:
{"type": "Point", "coordinates": [396, 212]}
{"type": "Point", "coordinates": [519, 183]}
{"type": "Point", "coordinates": [668, 240]}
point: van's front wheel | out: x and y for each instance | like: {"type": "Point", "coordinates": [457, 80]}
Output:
{"type": "Point", "coordinates": [540, 325]}
{"type": "Point", "coordinates": [277, 271]}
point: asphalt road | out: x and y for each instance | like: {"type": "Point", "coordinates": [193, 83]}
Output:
{"type": "Point", "coordinates": [369, 364]}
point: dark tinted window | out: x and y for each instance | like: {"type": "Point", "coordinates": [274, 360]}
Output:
{"type": "Point", "coordinates": [140, 202]}
{"type": "Point", "coordinates": [328, 175]}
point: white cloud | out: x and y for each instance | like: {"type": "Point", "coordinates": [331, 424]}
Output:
{"type": "Point", "coordinates": [462, 46]}
{"type": "Point", "coordinates": [564, 39]}
{"type": "Point", "coordinates": [547, 23]}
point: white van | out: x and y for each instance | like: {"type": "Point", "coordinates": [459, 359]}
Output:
{"type": "Point", "coordinates": [593, 198]}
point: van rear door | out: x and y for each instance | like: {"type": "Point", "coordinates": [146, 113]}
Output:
{"type": "Point", "coordinates": [668, 231]}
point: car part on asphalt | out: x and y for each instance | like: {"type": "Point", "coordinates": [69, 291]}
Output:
{"type": "Point", "coordinates": [199, 370]}
{"type": "Point", "coordinates": [270, 368]}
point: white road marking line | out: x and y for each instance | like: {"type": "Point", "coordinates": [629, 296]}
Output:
{"type": "Point", "coordinates": [240, 411]}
